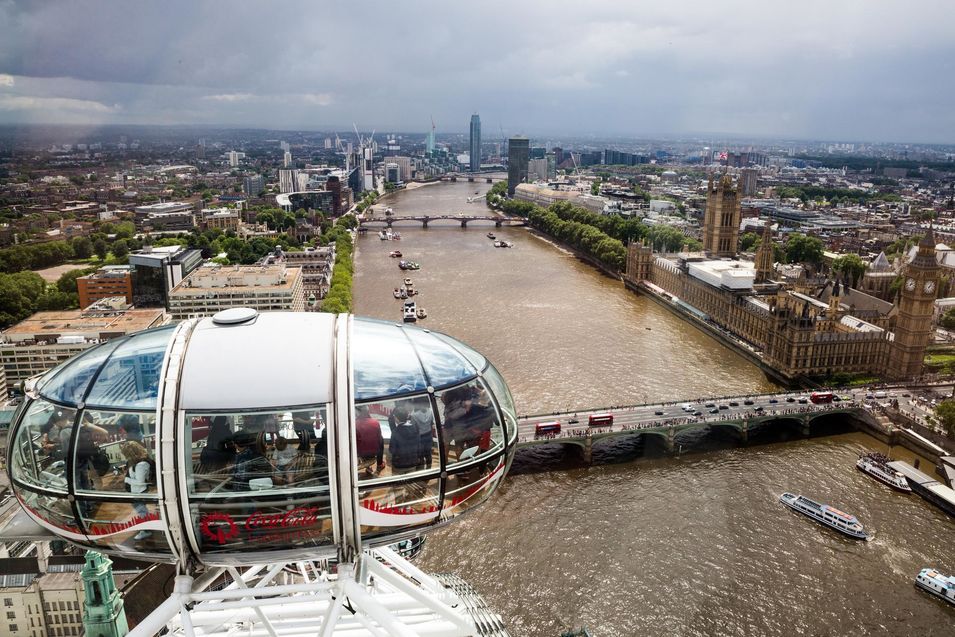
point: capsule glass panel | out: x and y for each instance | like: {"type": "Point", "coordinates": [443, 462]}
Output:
{"type": "Point", "coordinates": [471, 485]}
{"type": "Point", "coordinates": [504, 399]}
{"type": "Point", "coordinates": [258, 479]}
{"type": "Point", "coordinates": [124, 525]}
{"type": "Point", "coordinates": [42, 445]}
{"type": "Point", "coordinates": [130, 378]}
{"type": "Point", "coordinates": [107, 443]}
{"type": "Point", "coordinates": [70, 382]}
{"type": "Point", "coordinates": [443, 364]}
{"type": "Point", "coordinates": [470, 427]}
{"type": "Point", "coordinates": [396, 437]}
{"type": "Point", "coordinates": [384, 361]}
{"type": "Point", "coordinates": [391, 507]}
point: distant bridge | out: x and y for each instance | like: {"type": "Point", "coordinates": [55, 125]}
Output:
{"type": "Point", "coordinates": [737, 416]}
{"type": "Point", "coordinates": [487, 178]}
{"type": "Point", "coordinates": [425, 220]}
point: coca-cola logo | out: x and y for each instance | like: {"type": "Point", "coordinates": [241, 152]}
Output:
{"type": "Point", "coordinates": [218, 527]}
{"type": "Point", "coordinates": [297, 517]}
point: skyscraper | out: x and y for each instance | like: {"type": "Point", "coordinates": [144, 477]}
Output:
{"type": "Point", "coordinates": [475, 142]}
{"type": "Point", "coordinates": [518, 154]}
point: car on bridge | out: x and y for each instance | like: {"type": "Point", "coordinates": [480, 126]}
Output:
{"type": "Point", "coordinates": [658, 413]}
{"type": "Point", "coordinates": [733, 403]}
{"type": "Point", "coordinates": [747, 402]}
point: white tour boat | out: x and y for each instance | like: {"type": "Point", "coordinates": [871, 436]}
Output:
{"type": "Point", "coordinates": [876, 465]}
{"type": "Point", "coordinates": [937, 584]}
{"type": "Point", "coordinates": [830, 516]}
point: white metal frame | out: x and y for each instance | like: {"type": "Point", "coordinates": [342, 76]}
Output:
{"type": "Point", "coordinates": [380, 595]}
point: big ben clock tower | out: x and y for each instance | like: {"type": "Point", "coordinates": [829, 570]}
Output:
{"type": "Point", "coordinates": [913, 326]}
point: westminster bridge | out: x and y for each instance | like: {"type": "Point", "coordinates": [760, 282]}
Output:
{"type": "Point", "coordinates": [738, 417]}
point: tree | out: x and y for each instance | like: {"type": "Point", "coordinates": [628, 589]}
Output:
{"type": "Point", "coordinates": [946, 416]}
{"type": "Point", "coordinates": [749, 241]}
{"type": "Point", "coordinates": [82, 247]}
{"type": "Point", "coordinates": [803, 249]}
{"type": "Point", "coordinates": [850, 266]}
{"type": "Point", "coordinates": [120, 248]}
{"type": "Point", "coordinates": [67, 282]}
{"type": "Point", "coordinates": [100, 248]}
{"type": "Point", "coordinates": [948, 319]}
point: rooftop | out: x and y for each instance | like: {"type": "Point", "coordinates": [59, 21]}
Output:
{"type": "Point", "coordinates": [89, 323]}
{"type": "Point", "coordinates": [217, 277]}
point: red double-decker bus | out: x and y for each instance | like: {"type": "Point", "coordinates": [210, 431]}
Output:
{"type": "Point", "coordinates": [544, 428]}
{"type": "Point", "coordinates": [821, 397]}
{"type": "Point", "coordinates": [600, 420]}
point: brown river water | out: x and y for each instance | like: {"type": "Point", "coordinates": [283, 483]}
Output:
{"type": "Point", "coordinates": [640, 543]}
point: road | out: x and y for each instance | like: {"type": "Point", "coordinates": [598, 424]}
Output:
{"type": "Point", "coordinates": [728, 408]}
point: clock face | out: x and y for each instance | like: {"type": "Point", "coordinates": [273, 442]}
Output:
{"type": "Point", "coordinates": [929, 287]}
{"type": "Point", "coordinates": [910, 285]}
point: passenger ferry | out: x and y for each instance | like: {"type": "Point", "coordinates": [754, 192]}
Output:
{"type": "Point", "coordinates": [937, 584]}
{"type": "Point", "coordinates": [876, 465]}
{"type": "Point", "coordinates": [830, 516]}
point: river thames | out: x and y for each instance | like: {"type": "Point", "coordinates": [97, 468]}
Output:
{"type": "Point", "coordinates": [643, 544]}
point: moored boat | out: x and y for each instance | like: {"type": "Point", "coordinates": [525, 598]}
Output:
{"type": "Point", "coordinates": [410, 312]}
{"type": "Point", "coordinates": [932, 581]}
{"type": "Point", "coordinates": [876, 465]}
{"type": "Point", "coordinates": [421, 313]}
{"type": "Point", "coordinates": [825, 514]}
{"type": "Point", "coordinates": [490, 235]}
{"type": "Point", "coordinates": [395, 254]}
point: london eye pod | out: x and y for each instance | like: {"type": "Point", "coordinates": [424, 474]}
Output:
{"type": "Point", "coordinates": [248, 438]}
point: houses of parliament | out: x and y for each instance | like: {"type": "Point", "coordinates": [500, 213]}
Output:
{"type": "Point", "coordinates": [799, 329]}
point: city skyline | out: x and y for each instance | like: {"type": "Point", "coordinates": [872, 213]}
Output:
{"type": "Point", "coordinates": [872, 72]}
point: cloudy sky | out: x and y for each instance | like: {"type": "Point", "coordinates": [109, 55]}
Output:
{"type": "Point", "coordinates": [834, 69]}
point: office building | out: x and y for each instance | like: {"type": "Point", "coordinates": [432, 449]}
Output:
{"type": "Point", "coordinates": [518, 154]}
{"type": "Point", "coordinates": [288, 181]}
{"type": "Point", "coordinates": [392, 173]}
{"type": "Point", "coordinates": [46, 339]}
{"type": "Point", "coordinates": [167, 215]}
{"type": "Point", "coordinates": [212, 288]}
{"type": "Point", "coordinates": [223, 218]}
{"type": "Point", "coordinates": [405, 171]}
{"type": "Point", "coordinates": [475, 146]}
{"type": "Point", "coordinates": [108, 281]}
{"type": "Point", "coordinates": [368, 168]}
{"type": "Point", "coordinates": [748, 178]}
{"type": "Point", "coordinates": [618, 158]}
{"type": "Point", "coordinates": [253, 186]}
{"type": "Point", "coordinates": [552, 162]}
{"type": "Point", "coordinates": [316, 265]}
{"type": "Point", "coordinates": [537, 170]}
{"type": "Point", "coordinates": [544, 197]}
{"type": "Point", "coordinates": [156, 271]}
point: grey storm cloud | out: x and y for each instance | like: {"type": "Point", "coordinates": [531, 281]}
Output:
{"type": "Point", "coordinates": [838, 70]}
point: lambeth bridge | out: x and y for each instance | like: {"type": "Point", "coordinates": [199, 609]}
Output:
{"type": "Point", "coordinates": [424, 220]}
{"type": "Point", "coordinates": [738, 417]}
